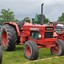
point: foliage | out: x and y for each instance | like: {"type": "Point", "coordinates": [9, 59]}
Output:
{"type": "Point", "coordinates": [46, 20]}
{"type": "Point", "coordinates": [40, 17]}
{"type": "Point", "coordinates": [16, 20]}
{"type": "Point", "coordinates": [61, 18]}
{"type": "Point", "coordinates": [7, 15]}
{"type": "Point", "coordinates": [27, 19]}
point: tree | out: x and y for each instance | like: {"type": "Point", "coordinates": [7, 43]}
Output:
{"type": "Point", "coordinates": [27, 19]}
{"type": "Point", "coordinates": [61, 18]}
{"type": "Point", "coordinates": [7, 15]}
{"type": "Point", "coordinates": [1, 20]}
{"type": "Point", "coordinates": [46, 20]}
{"type": "Point", "coordinates": [43, 19]}
{"type": "Point", "coordinates": [38, 19]}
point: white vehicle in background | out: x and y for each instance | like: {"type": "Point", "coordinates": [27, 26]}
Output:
{"type": "Point", "coordinates": [59, 28]}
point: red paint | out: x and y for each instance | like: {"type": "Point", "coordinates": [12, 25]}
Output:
{"type": "Point", "coordinates": [25, 34]}
{"type": "Point", "coordinates": [55, 49]}
{"type": "Point", "coordinates": [61, 36]}
{"type": "Point", "coordinates": [28, 51]}
{"type": "Point", "coordinates": [4, 38]}
{"type": "Point", "coordinates": [15, 25]}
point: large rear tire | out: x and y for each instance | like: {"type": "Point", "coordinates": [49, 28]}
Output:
{"type": "Point", "coordinates": [31, 50]}
{"type": "Point", "coordinates": [59, 48]}
{"type": "Point", "coordinates": [9, 37]}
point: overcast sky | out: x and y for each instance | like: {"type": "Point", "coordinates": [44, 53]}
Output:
{"type": "Point", "coordinates": [22, 8]}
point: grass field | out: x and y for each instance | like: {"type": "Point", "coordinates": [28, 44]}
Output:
{"type": "Point", "coordinates": [17, 57]}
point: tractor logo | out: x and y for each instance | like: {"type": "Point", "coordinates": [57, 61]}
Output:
{"type": "Point", "coordinates": [34, 29]}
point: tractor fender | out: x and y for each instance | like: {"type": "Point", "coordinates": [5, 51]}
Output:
{"type": "Point", "coordinates": [15, 25]}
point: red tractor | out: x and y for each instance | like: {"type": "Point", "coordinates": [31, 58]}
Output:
{"type": "Point", "coordinates": [33, 36]}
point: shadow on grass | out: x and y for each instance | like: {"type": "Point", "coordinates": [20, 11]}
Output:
{"type": "Point", "coordinates": [19, 48]}
{"type": "Point", "coordinates": [45, 53]}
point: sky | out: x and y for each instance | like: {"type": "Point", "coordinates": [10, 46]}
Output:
{"type": "Point", "coordinates": [28, 8]}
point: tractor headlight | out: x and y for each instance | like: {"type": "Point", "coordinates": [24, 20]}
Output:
{"type": "Point", "coordinates": [40, 36]}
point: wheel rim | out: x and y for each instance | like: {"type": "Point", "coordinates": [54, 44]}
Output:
{"type": "Point", "coordinates": [4, 38]}
{"type": "Point", "coordinates": [28, 51]}
{"type": "Point", "coordinates": [56, 49]}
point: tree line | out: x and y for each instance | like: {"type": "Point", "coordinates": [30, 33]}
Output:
{"type": "Point", "coordinates": [8, 15]}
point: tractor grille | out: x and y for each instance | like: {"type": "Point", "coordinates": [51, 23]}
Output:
{"type": "Point", "coordinates": [48, 35]}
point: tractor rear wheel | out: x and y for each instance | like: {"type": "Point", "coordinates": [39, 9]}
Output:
{"type": "Point", "coordinates": [31, 50]}
{"type": "Point", "coordinates": [9, 37]}
{"type": "Point", "coordinates": [59, 48]}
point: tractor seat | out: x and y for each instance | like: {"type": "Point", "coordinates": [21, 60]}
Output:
{"type": "Point", "coordinates": [20, 24]}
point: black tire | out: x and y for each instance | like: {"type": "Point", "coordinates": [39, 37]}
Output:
{"type": "Point", "coordinates": [0, 54]}
{"type": "Point", "coordinates": [33, 50]}
{"type": "Point", "coordinates": [60, 50]}
{"type": "Point", "coordinates": [11, 37]}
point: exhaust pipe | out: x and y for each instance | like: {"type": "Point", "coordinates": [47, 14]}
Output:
{"type": "Point", "coordinates": [41, 21]}
{"type": "Point", "coordinates": [42, 9]}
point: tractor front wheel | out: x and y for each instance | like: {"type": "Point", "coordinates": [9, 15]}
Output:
{"type": "Point", "coordinates": [31, 50]}
{"type": "Point", "coordinates": [59, 48]}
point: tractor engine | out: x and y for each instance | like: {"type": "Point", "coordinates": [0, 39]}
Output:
{"type": "Point", "coordinates": [41, 34]}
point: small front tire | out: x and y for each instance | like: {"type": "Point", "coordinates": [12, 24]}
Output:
{"type": "Point", "coordinates": [31, 50]}
{"type": "Point", "coordinates": [59, 48]}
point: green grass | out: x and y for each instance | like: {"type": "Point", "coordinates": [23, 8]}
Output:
{"type": "Point", "coordinates": [17, 57]}
{"type": "Point", "coordinates": [47, 61]}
